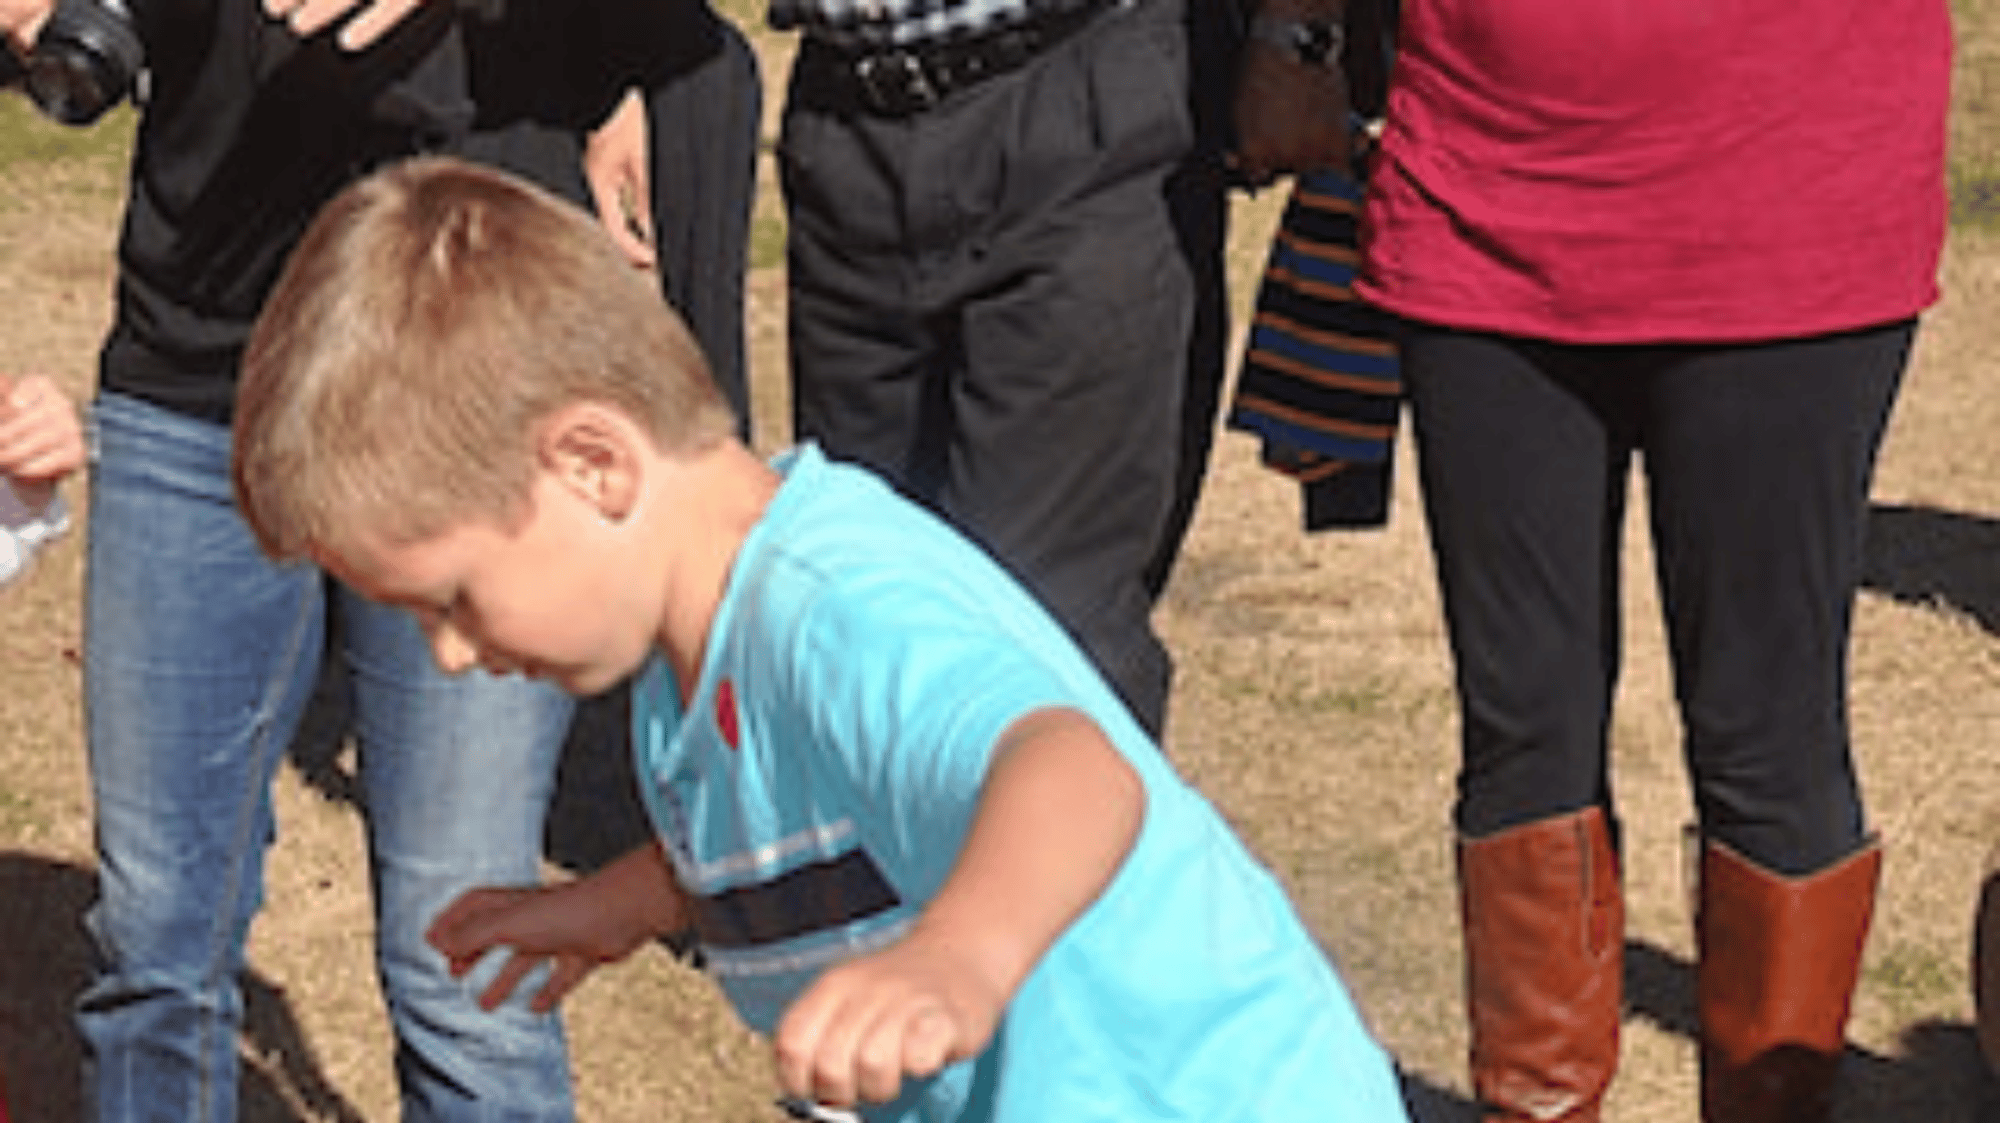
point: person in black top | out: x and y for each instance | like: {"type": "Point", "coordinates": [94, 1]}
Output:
{"type": "Point", "coordinates": [200, 656]}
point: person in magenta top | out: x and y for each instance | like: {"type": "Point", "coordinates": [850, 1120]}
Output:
{"type": "Point", "coordinates": [1693, 236]}
{"type": "Point", "coordinates": [1675, 173]}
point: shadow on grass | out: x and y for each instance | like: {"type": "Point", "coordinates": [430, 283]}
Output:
{"type": "Point", "coordinates": [1938, 1075]}
{"type": "Point", "coordinates": [1975, 201]}
{"type": "Point", "coordinates": [595, 816]}
{"type": "Point", "coordinates": [45, 968]}
{"type": "Point", "coordinates": [1932, 557]}
{"type": "Point", "coordinates": [1429, 1103]}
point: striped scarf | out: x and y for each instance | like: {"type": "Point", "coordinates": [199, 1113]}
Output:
{"type": "Point", "coordinates": [1320, 384]}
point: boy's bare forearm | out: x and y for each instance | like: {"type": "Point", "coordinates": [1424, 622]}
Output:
{"type": "Point", "coordinates": [1057, 816]}
{"type": "Point", "coordinates": [644, 877]}
{"type": "Point", "coordinates": [601, 917]}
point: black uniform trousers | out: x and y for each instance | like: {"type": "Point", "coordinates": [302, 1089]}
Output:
{"type": "Point", "coordinates": [990, 307]}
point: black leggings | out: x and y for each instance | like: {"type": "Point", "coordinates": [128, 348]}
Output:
{"type": "Point", "coordinates": [1757, 464]}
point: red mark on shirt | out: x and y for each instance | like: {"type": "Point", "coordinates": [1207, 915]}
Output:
{"type": "Point", "coordinates": [725, 712]}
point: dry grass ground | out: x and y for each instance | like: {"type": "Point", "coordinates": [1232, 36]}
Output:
{"type": "Point", "coordinates": [1313, 705]}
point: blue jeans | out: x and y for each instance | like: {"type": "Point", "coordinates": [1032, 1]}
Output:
{"type": "Point", "coordinates": [201, 656]}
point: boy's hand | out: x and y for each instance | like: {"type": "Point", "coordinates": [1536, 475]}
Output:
{"type": "Point", "coordinates": [41, 436]}
{"type": "Point", "coordinates": [573, 928]}
{"type": "Point", "coordinates": [908, 1010]}
{"type": "Point", "coordinates": [1058, 813]}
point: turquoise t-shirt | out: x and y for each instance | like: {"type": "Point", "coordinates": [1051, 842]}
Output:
{"type": "Point", "coordinates": [863, 663]}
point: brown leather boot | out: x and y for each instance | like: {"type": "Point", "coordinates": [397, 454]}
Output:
{"type": "Point", "coordinates": [1778, 961]}
{"type": "Point", "coordinates": [1544, 959]}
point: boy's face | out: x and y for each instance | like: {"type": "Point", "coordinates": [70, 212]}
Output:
{"type": "Point", "coordinates": [542, 599]}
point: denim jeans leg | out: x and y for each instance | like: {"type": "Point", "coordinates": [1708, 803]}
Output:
{"type": "Point", "coordinates": [199, 655]}
{"type": "Point", "coordinates": [457, 772]}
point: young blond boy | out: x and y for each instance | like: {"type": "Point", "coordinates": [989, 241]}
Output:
{"type": "Point", "coordinates": [920, 843]}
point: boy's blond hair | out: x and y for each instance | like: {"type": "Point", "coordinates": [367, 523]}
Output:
{"type": "Point", "coordinates": [432, 317]}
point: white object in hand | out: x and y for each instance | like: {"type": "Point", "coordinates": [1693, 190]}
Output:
{"type": "Point", "coordinates": [24, 530]}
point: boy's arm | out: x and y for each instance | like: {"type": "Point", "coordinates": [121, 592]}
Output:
{"type": "Point", "coordinates": [574, 927]}
{"type": "Point", "coordinates": [1057, 815]}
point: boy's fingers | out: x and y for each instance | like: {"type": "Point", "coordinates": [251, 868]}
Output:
{"type": "Point", "coordinates": [795, 1058]}
{"type": "Point", "coordinates": [929, 1043]}
{"type": "Point", "coordinates": [569, 971]}
{"type": "Point", "coordinates": [445, 931]}
{"type": "Point", "coordinates": [878, 1060]}
{"type": "Point", "coordinates": [804, 1052]}
{"type": "Point", "coordinates": [860, 1054]}
{"type": "Point", "coordinates": [464, 930]}
{"type": "Point", "coordinates": [511, 973]}
{"type": "Point", "coordinates": [902, 1042]}
{"type": "Point", "coordinates": [449, 940]}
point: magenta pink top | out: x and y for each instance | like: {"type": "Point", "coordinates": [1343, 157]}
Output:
{"type": "Point", "coordinates": [1630, 171]}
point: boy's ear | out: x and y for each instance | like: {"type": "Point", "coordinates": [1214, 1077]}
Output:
{"type": "Point", "coordinates": [589, 449]}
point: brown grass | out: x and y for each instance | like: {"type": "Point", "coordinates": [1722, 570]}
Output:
{"type": "Point", "coordinates": [1313, 705]}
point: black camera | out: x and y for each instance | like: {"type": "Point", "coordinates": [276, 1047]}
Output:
{"type": "Point", "coordinates": [87, 59]}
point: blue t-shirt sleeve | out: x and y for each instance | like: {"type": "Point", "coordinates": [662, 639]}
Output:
{"type": "Point", "coordinates": [909, 690]}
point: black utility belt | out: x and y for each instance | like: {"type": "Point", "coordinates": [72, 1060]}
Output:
{"type": "Point", "coordinates": [903, 81]}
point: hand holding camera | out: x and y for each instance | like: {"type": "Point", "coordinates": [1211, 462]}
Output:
{"type": "Point", "coordinates": [85, 56]}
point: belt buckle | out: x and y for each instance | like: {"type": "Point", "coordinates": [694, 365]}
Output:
{"type": "Point", "coordinates": [896, 82]}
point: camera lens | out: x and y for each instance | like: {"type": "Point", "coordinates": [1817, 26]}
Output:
{"type": "Point", "coordinates": [72, 88]}
{"type": "Point", "coordinates": [85, 60]}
